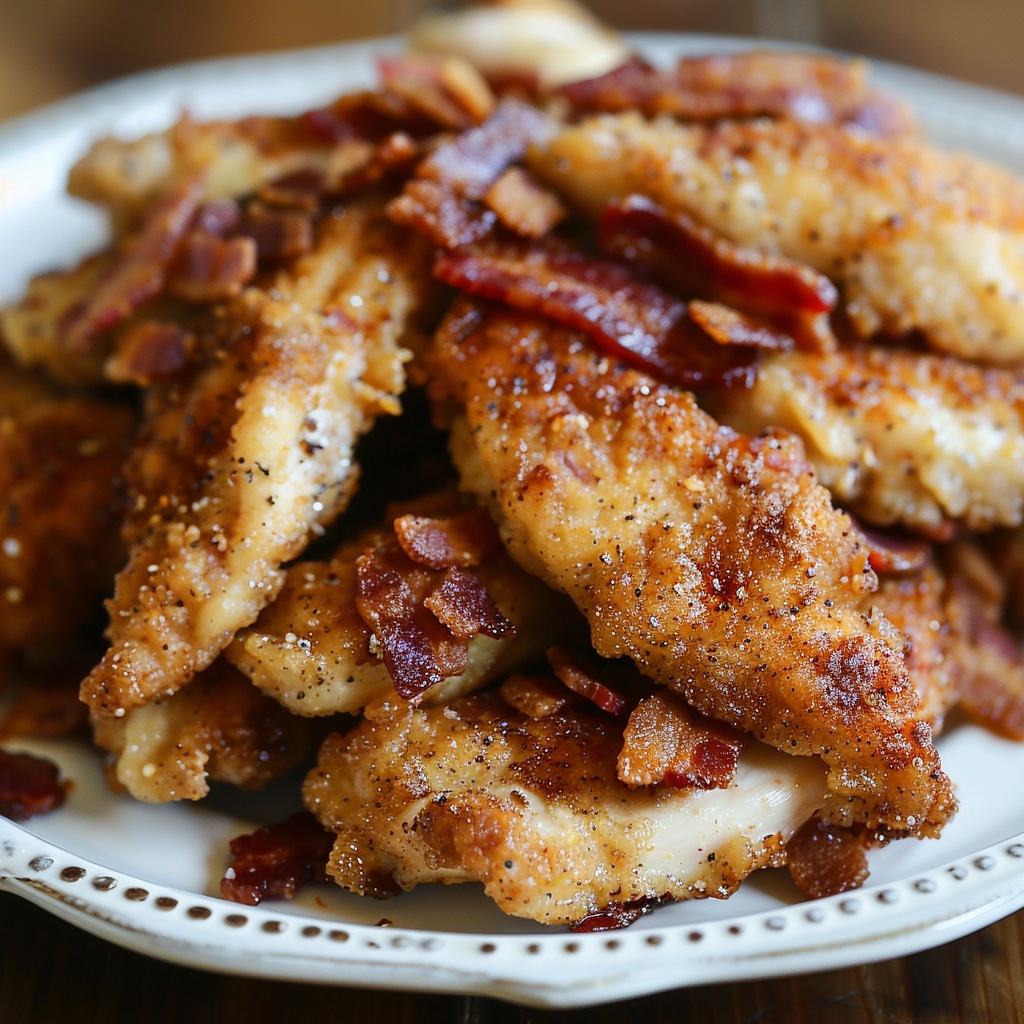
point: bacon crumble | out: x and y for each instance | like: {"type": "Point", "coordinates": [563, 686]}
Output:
{"type": "Point", "coordinates": [152, 350]}
{"type": "Point", "coordinates": [28, 786]}
{"type": "Point", "coordinates": [581, 678]}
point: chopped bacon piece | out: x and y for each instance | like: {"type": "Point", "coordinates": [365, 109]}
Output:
{"type": "Point", "coordinates": [463, 540]}
{"type": "Point", "coordinates": [728, 327]}
{"type": "Point", "coordinates": [152, 350]}
{"type": "Point", "coordinates": [45, 711]}
{"type": "Point", "coordinates": [616, 915]}
{"type": "Point", "coordinates": [458, 78]}
{"type": "Point", "coordinates": [446, 218]}
{"type": "Point", "coordinates": [461, 602]}
{"type": "Point", "coordinates": [580, 678]}
{"type": "Point", "coordinates": [139, 271]}
{"type": "Point", "coordinates": [219, 217]}
{"type": "Point", "coordinates": [536, 696]}
{"type": "Point", "coordinates": [207, 268]}
{"type": "Point", "coordinates": [668, 742]}
{"type": "Point", "coordinates": [693, 260]}
{"type": "Point", "coordinates": [633, 320]}
{"type": "Point", "coordinates": [279, 234]}
{"type": "Point", "coordinates": [894, 554]}
{"type": "Point", "coordinates": [418, 650]}
{"type": "Point", "coordinates": [396, 153]}
{"type": "Point", "coordinates": [28, 786]}
{"type": "Point", "coordinates": [300, 190]}
{"type": "Point", "coordinates": [825, 860]}
{"type": "Point", "coordinates": [523, 204]}
{"type": "Point", "coordinates": [275, 862]}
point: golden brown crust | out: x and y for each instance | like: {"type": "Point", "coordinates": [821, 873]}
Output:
{"type": "Point", "coordinates": [713, 560]}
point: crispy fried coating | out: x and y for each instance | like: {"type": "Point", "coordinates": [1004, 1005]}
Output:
{"type": "Point", "coordinates": [313, 652]}
{"type": "Point", "coordinates": [532, 808]}
{"type": "Point", "coordinates": [219, 729]}
{"type": "Point", "coordinates": [236, 469]}
{"type": "Point", "coordinates": [60, 508]}
{"type": "Point", "coordinates": [917, 239]}
{"type": "Point", "coordinates": [713, 560]}
{"type": "Point", "coordinates": [900, 438]}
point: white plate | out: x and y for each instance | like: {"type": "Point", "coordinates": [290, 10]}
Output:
{"type": "Point", "coordinates": [146, 877]}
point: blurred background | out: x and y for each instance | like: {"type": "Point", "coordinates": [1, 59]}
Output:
{"type": "Point", "coordinates": [49, 48]}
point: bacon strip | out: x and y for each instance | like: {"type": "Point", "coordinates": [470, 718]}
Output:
{"type": "Point", "coordinates": [581, 678]}
{"type": "Point", "coordinates": [461, 602]}
{"type": "Point", "coordinates": [631, 319]}
{"type": "Point", "coordinates": [693, 260]}
{"type": "Point", "coordinates": [668, 742]}
{"type": "Point", "coordinates": [207, 268]}
{"type": "Point", "coordinates": [139, 273]}
{"type": "Point", "coordinates": [28, 786]}
{"type": "Point", "coordinates": [463, 540]}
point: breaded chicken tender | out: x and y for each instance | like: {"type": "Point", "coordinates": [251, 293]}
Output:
{"type": "Point", "coordinates": [917, 239]}
{"type": "Point", "coordinates": [714, 561]}
{"type": "Point", "coordinates": [532, 807]}
{"type": "Point", "coordinates": [237, 468]}
{"type": "Point", "coordinates": [900, 438]}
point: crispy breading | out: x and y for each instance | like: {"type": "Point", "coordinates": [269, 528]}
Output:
{"type": "Point", "coordinates": [311, 650]}
{"type": "Point", "coordinates": [900, 438]}
{"type": "Point", "coordinates": [532, 808]}
{"type": "Point", "coordinates": [713, 560]}
{"type": "Point", "coordinates": [60, 508]}
{"type": "Point", "coordinates": [218, 729]}
{"type": "Point", "coordinates": [236, 469]}
{"type": "Point", "coordinates": [917, 239]}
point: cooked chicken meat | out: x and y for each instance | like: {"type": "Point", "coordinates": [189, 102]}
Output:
{"type": "Point", "coordinates": [713, 560]}
{"type": "Point", "coordinates": [236, 469]}
{"type": "Point", "coordinates": [900, 438]}
{"type": "Point", "coordinates": [917, 239]}
{"type": "Point", "coordinates": [532, 808]}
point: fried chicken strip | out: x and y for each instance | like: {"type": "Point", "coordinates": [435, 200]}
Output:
{"type": "Point", "coordinates": [313, 652]}
{"type": "Point", "coordinates": [533, 809]}
{"type": "Point", "coordinates": [713, 560]}
{"type": "Point", "coordinates": [900, 438]}
{"type": "Point", "coordinates": [917, 239]}
{"type": "Point", "coordinates": [237, 469]}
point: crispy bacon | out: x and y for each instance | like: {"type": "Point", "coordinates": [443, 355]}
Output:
{"type": "Point", "coordinates": [220, 217]}
{"type": "Point", "coordinates": [28, 786]}
{"type": "Point", "coordinates": [536, 696]}
{"type": "Point", "coordinates": [825, 860]}
{"type": "Point", "coordinates": [581, 678]}
{"type": "Point", "coordinates": [523, 204]}
{"type": "Point", "coordinates": [300, 190]}
{"type": "Point", "coordinates": [633, 320]}
{"type": "Point", "coordinates": [616, 916]}
{"type": "Point", "coordinates": [667, 742]}
{"type": "Point", "coordinates": [893, 554]}
{"type": "Point", "coordinates": [461, 602]}
{"type": "Point", "coordinates": [278, 234]}
{"type": "Point", "coordinates": [465, 540]}
{"type": "Point", "coordinates": [275, 862]}
{"type": "Point", "coordinates": [729, 327]}
{"type": "Point", "coordinates": [446, 218]}
{"type": "Point", "coordinates": [140, 270]}
{"type": "Point", "coordinates": [207, 268]}
{"type": "Point", "coordinates": [807, 87]}
{"type": "Point", "coordinates": [152, 350]}
{"type": "Point", "coordinates": [693, 260]}
{"type": "Point", "coordinates": [396, 154]}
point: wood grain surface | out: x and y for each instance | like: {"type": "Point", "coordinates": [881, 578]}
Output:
{"type": "Point", "coordinates": [51, 973]}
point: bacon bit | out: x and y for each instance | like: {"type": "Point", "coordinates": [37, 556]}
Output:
{"type": "Point", "coordinates": [207, 268]}
{"type": "Point", "coordinates": [523, 204]}
{"type": "Point", "coordinates": [300, 190]}
{"type": "Point", "coordinates": [693, 260]}
{"type": "Point", "coordinates": [275, 862]}
{"type": "Point", "coordinates": [396, 153]}
{"type": "Point", "coordinates": [667, 742]}
{"type": "Point", "coordinates": [894, 554]}
{"type": "Point", "coordinates": [825, 860]}
{"type": "Point", "coordinates": [445, 218]}
{"type": "Point", "coordinates": [370, 115]}
{"type": "Point", "coordinates": [220, 217]}
{"type": "Point", "coordinates": [461, 602]}
{"type": "Point", "coordinates": [462, 540]}
{"type": "Point", "coordinates": [418, 650]}
{"type": "Point", "coordinates": [581, 678]}
{"type": "Point", "coordinates": [138, 273]}
{"type": "Point", "coordinates": [279, 234]}
{"type": "Point", "coordinates": [616, 915]}
{"type": "Point", "coordinates": [150, 351]}
{"type": "Point", "coordinates": [727, 327]}
{"type": "Point", "coordinates": [536, 696]}
{"type": "Point", "coordinates": [28, 786]}
{"type": "Point", "coordinates": [45, 711]}
{"type": "Point", "coordinates": [632, 319]}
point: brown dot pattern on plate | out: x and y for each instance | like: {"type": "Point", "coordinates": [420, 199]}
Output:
{"type": "Point", "coordinates": [985, 863]}
{"type": "Point", "coordinates": [273, 927]}
{"type": "Point", "coordinates": [776, 924]}
{"type": "Point", "coordinates": [695, 936]}
{"type": "Point", "coordinates": [654, 940]}
{"type": "Point", "coordinates": [735, 929]}
{"type": "Point", "coordinates": [40, 863]}
{"type": "Point", "coordinates": [924, 885]}
{"type": "Point", "coordinates": [571, 947]}
{"type": "Point", "coordinates": [137, 894]}
{"type": "Point", "coordinates": [612, 944]}
{"type": "Point", "coordinates": [166, 902]}
{"type": "Point", "coordinates": [104, 883]}
{"type": "Point", "coordinates": [533, 948]}
{"type": "Point", "coordinates": [199, 913]}
{"type": "Point", "coordinates": [72, 874]}
{"type": "Point", "coordinates": [311, 931]}
{"type": "Point", "coordinates": [958, 871]}
{"type": "Point", "coordinates": [236, 920]}
{"type": "Point", "coordinates": [338, 936]}
{"type": "Point", "coordinates": [888, 896]}
{"type": "Point", "coordinates": [815, 915]}
{"type": "Point", "coordinates": [850, 906]}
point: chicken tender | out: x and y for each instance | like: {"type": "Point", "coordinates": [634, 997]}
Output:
{"type": "Point", "coordinates": [713, 560]}
{"type": "Point", "coordinates": [900, 438]}
{"type": "Point", "coordinates": [917, 239]}
{"type": "Point", "coordinates": [238, 468]}
{"type": "Point", "coordinates": [532, 808]}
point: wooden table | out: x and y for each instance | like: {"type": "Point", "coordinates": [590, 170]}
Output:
{"type": "Point", "coordinates": [52, 973]}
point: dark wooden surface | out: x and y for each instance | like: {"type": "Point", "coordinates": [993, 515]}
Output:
{"type": "Point", "coordinates": [51, 973]}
